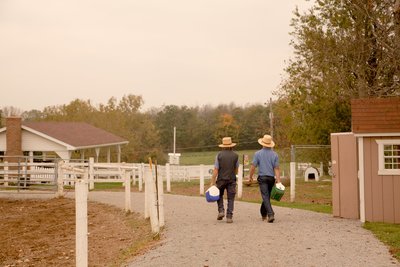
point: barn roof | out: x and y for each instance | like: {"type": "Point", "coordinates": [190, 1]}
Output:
{"type": "Point", "coordinates": [76, 134]}
{"type": "Point", "coordinates": [375, 115]}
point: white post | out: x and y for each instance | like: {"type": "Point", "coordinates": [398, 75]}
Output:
{"type": "Point", "coordinates": [108, 154]}
{"type": "Point", "coordinates": [160, 186]}
{"type": "Point", "coordinates": [24, 176]}
{"type": "Point", "coordinates": [201, 179]}
{"type": "Point", "coordinates": [240, 181]}
{"type": "Point", "coordinates": [168, 174]}
{"type": "Point", "coordinates": [361, 177]}
{"type": "Point", "coordinates": [128, 205]}
{"type": "Point", "coordinates": [5, 173]}
{"type": "Point", "coordinates": [60, 179]}
{"type": "Point", "coordinates": [81, 242]}
{"type": "Point", "coordinates": [292, 181]}
{"type": "Point", "coordinates": [133, 177]}
{"type": "Point", "coordinates": [321, 171]}
{"type": "Point", "coordinates": [97, 150]}
{"type": "Point", "coordinates": [91, 173]}
{"type": "Point", "coordinates": [119, 153]}
{"type": "Point", "coordinates": [146, 194]}
{"type": "Point", "coordinates": [151, 200]}
{"type": "Point", "coordinates": [141, 172]}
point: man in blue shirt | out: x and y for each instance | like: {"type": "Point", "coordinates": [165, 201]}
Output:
{"type": "Point", "coordinates": [267, 162]}
{"type": "Point", "coordinates": [225, 168]}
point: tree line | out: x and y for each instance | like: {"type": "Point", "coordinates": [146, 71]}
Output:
{"type": "Point", "coordinates": [150, 133]}
{"type": "Point", "coordinates": [344, 49]}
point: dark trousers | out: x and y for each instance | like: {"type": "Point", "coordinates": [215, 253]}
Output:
{"type": "Point", "coordinates": [230, 186]}
{"type": "Point", "coordinates": [266, 183]}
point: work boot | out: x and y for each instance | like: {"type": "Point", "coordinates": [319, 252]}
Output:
{"type": "Point", "coordinates": [221, 215]}
{"type": "Point", "coordinates": [264, 218]}
{"type": "Point", "coordinates": [229, 220]}
{"type": "Point", "coordinates": [271, 218]}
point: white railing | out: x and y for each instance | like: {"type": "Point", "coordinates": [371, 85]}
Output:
{"type": "Point", "coordinates": [50, 174]}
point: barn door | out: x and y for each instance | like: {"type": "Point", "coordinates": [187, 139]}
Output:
{"type": "Point", "coordinates": [345, 192]}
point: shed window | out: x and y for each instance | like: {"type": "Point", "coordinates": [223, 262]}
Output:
{"type": "Point", "coordinates": [389, 157]}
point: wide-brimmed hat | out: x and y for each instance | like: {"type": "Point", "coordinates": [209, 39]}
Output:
{"type": "Point", "coordinates": [227, 142]}
{"type": "Point", "coordinates": [266, 141]}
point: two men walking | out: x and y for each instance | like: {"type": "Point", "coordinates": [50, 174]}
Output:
{"type": "Point", "coordinates": [225, 170]}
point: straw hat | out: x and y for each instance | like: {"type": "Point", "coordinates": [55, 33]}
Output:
{"type": "Point", "coordinates": [227, 142]}
{"type": "Point", "coordinates": [266, 141]}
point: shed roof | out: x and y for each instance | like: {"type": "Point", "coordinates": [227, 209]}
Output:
{"type": "Point", "coordinates": [375, 115]}
{"type": "Point", "coordinates": [76, 134]}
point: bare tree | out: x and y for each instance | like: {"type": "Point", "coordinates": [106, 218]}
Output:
{"type": "Point", "coordinates": [11, 111]}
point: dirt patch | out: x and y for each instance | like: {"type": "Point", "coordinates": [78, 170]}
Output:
{"type": "Point", "coordinates": [42, 233]}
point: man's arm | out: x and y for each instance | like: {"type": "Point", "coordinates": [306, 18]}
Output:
{"type": "Point", "coordinates": [277, 174]}
{"type": "Point", "coordinates": [214, 176]}
{"type": "Point", "coordinates": [252, 169]}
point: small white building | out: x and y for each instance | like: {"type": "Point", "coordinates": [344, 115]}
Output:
{"type": "Point", "coordinates": [62, 138]}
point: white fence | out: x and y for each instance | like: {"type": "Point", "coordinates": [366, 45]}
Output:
{"type": "Point", "coordinates": [49, 176]}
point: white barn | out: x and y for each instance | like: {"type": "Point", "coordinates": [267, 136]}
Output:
{"type": "Point", "coordinates": [62, 138]}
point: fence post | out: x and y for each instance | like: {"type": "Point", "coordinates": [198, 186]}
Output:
{"type": "Point", "coordinates": [60, 179]}
{"type": "Point", "coordinates": [292, 174]}
{"type": "Point", "coordinates": [146, 193]}
{"type": "Point", "coordinates": [240, 181]}
{"type": "Point", "coordinates": [201, 179]}
{"type": "Point", "coordinates": [81, 242]}
{"type": "Point", "coordinates": [160, 191]}
{"type": "Point", "coordinates": [5, 173]}
{"type": "Point", "coordinates": [321, 171]}
{"type": "Point", "coordinates": [128, 205]}
{"type": "Point", "coordinates": [91, 173]}
{"type": "Point", "coordinates": [168, 174]}
{"type": "Point", "coordinates": [133, 173]}
{"type": "Point", "coordinates": [151, 200]}
{"type": "Point", "coordinates": [141, 172]}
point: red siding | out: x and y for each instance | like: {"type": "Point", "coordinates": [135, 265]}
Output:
{"type": "Point", "coordinates": [368, 181]}
{"type": "Point", "coordinates": [345, 197]}
{"type": "Point", "coordinates": [388, 199]}
{"type": "Point", "coordinates": [382, 192]}
{"type": "Point", "coordinates": [335, 180]}
{"type": "Point", "coordinates": [396, 195]}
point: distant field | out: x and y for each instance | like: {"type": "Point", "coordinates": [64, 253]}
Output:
{"type": "Point", "coordinates": [208, 157]}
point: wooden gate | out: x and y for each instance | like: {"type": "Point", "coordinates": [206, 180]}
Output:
{"type": "Point", "coordinates": [345, 189]}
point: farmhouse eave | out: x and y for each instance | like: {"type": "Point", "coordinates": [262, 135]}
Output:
{"type": "Point", "coordinates": [376, 134]}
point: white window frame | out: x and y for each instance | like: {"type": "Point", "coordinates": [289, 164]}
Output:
{"type": "Point", "coordinates": [381, 161]}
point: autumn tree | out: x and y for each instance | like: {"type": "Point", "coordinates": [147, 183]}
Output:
{"type": "Point", "coordinates": [344, 49]}
{"type": "Point", "coordinates": [121, 117]}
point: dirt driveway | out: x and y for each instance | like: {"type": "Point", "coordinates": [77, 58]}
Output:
{"type": "Point", "coordinates": [193, 237]}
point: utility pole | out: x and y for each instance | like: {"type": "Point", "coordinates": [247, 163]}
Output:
{"type": "Point", "coordinates": [174, 139]}
{"type": "Point", "coordinates": [271, 118]}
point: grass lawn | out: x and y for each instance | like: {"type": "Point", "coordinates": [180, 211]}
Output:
{"type": "Point", "coordinates": [208, 157]}
{"type": "Point", "coordinates": [314, 196]}
{"type": "Point", "coordinates": [387, 233]}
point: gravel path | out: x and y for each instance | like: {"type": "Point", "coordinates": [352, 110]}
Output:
{"type": "Point", "coordinates": [193, 237]}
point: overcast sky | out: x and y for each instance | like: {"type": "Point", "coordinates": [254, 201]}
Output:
{"type": "Point", "coordinates": [182, 52]}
